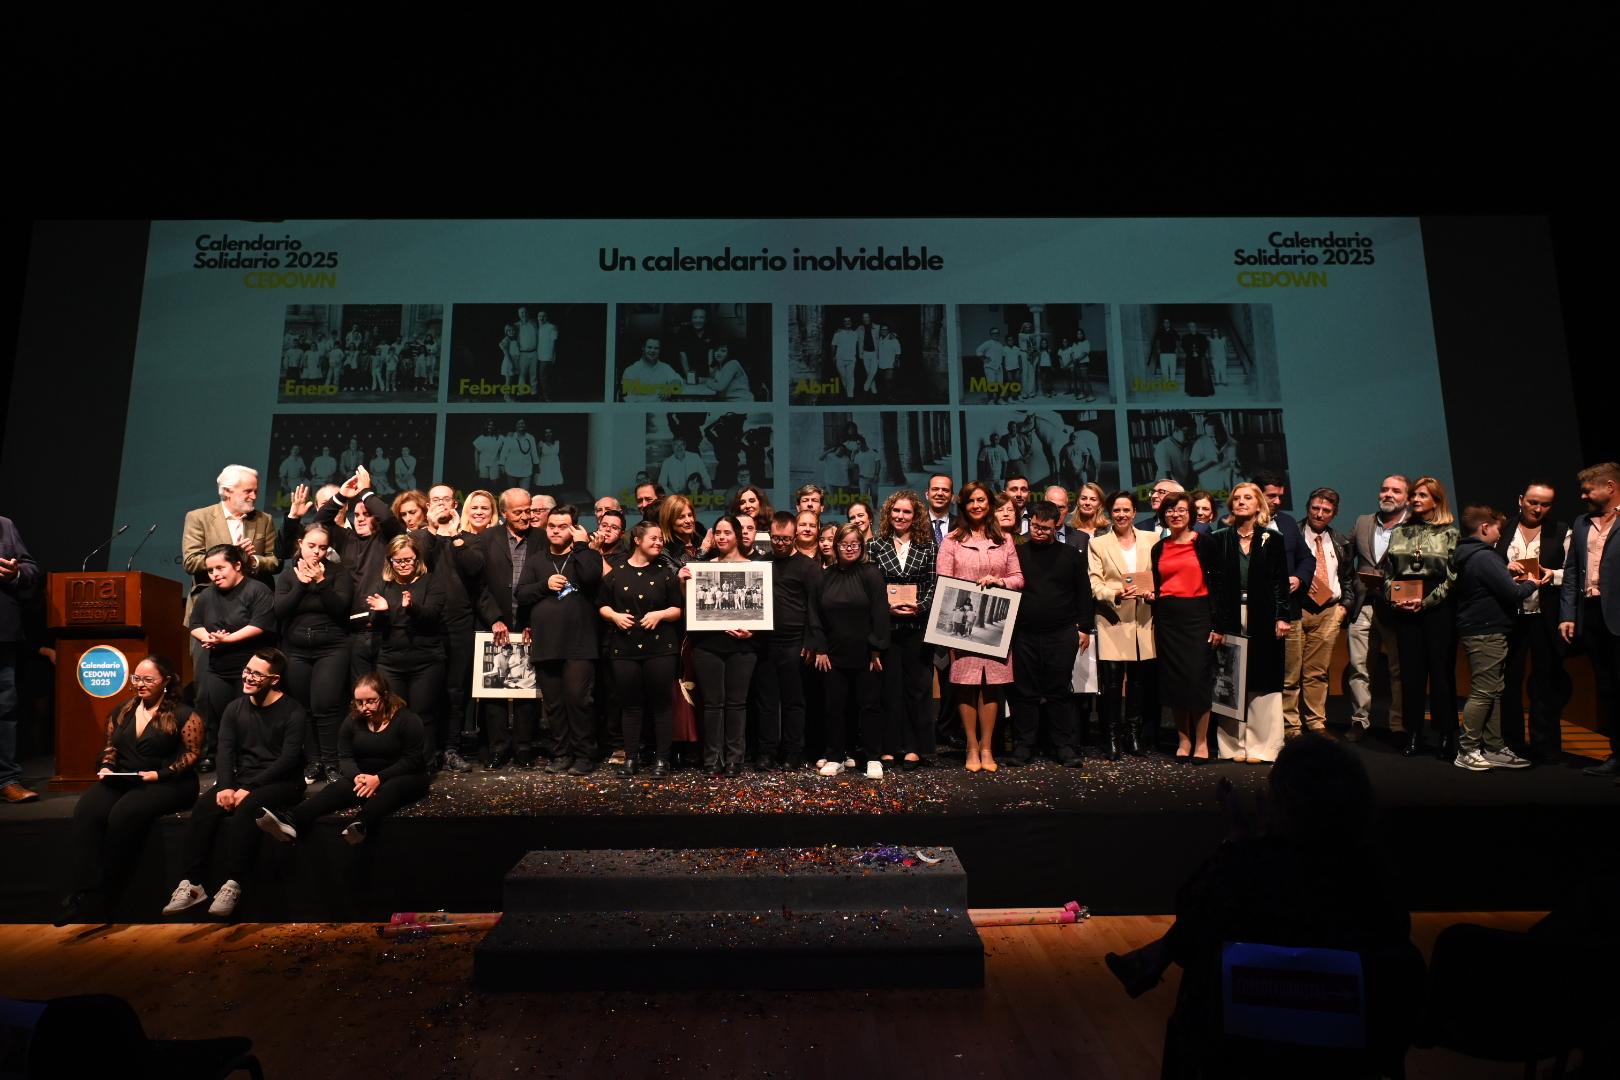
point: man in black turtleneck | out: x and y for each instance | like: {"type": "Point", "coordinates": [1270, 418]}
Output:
{"type": "Point", "coordinates": [1056, 619]}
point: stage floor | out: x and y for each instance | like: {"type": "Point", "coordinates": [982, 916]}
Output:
{"type": "Point", "coordinates": [1118, 837]}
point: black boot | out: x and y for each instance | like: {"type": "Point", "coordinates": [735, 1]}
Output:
{"type": "Point", "coordinates": [1113, 739]}
{"type": "Point", "coordinates": [1133, 737]}
{"type": "Point", "coordinates": [1414, 744]}
{"type": "Point", "coordinates": [1447, 750]}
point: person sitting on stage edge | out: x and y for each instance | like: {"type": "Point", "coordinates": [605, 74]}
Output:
{"type": "Point", "coordinates": [382, 751]}
{"type": "Point", "coordinates": [261, 746]}
{"type": "Point", "coordinates": [148, 769]}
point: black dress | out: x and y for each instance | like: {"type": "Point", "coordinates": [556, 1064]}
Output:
{"type": "Point", "coordinates": [1267, 589]}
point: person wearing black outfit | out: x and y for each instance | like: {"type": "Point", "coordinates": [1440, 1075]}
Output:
{"type": "Point", "coordinates": [556, 599]}
{"type": "Point", "coordinates": [724, 661]}
{"type": "Point", "coordinates": [407, 618]}
{"type": "Point", "coordinates": [383, 746]}
{"type": "Point", "coordinates": [1250, 581]}
{"type": "Point", "coordinates": [457, 559]}
{"type": "Point", "coordinates": [261, 742]}
{"type": "Point", "coordinates": [848, 632]}
{"type": "Point", "coordinates": [1589, 604]}
{"type": "Point", "coordinates": [312, 607]}
{"type": "Point", "coordinates": [1055, 621]}
{"type": "Point", "coordinates": [905, 554]}
{"type": "Point", "coordinates": [779, 672]}
{"type": "Point", "coordinates": [506, 551]}
{"type": "Point", "coordinates": [233, 616]}
{"type": "Point", "coordinates": [363, 547]}
{"type": "Point", "coordinates": [148, 769]}
{"type": "Point", "coordinates": [641, 600]}
{"type": "Point", "coordinates": [1533, 642]}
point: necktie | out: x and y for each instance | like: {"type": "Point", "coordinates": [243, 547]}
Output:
{"type": "Point", "coordinates": [1319, 583]}
{"type": "Point", "coordinates": [939, 532]}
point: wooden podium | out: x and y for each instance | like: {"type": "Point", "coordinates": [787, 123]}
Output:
{"type": "Point", "coordinates": [97, 619]}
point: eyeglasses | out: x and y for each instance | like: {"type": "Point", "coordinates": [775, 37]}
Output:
{"type": "Point", "coordinates": [406, 560]}
{"type": "Point", "coordinates": [363, 702]}
{"type": "Point", "coordinates": [146, 680]}
{"type": "Point", "coordinates": [249, 675]}
{"type": "Point", "coordinates": [850, 545]}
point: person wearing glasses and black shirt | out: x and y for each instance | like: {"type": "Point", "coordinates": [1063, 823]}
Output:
{"type": "Point", "coordinates": [408, 621]}
{"type": "Point", "coordinates": [229, 619]}
{"type": "Point", "coordinates": [261, 744]}
{"type": "Point", "coordinates": [383, 747]}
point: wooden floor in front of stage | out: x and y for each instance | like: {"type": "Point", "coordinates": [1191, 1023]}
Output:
{"type": "Point", "coordinates": [324, 999]}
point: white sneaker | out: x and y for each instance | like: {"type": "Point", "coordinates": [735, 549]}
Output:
{"type": "Point", "coordinates": [225, 900]}
{"type": "Point", "coordinates": [1505, 758]}
{"type": "Point", "coordinates": [874, 770]}
{"type": "Point", "coordinates": [275, 826]}
{"type": "Point", "coordinates": [354, 832]}
{"type": "Point", "coordinates": [849, 763]}
{"type": "Point", "coordinates": [186, 896]}
{"type": "Point", "coordinates": [831, 768]}
{"type": "Point", "coordinates": [1472, 760]}
{"type": "Point", "coordinates": [821, 763]}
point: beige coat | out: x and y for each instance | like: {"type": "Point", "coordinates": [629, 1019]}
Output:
{"type": "Point", "coordinates": [1130, 636]}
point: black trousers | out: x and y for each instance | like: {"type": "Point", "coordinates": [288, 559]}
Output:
{"type": "Point", "coordinates": [644, 692]}
{"type": "Point", "coordinates": [1603, 649]}
{"type": "Point", "coordinates": [723, 681]}
{"type": "Point", "coordinates": [1427, 643]}
{"type": "Point", "coordinates": [110, 824]}
{"type": "Point", "coordinates": [779, 696]}
{"type": "Point", "coordinates": [1043, 672]}
{"type": "Point", "coordinates": [566, 686]}
{"type": "Point", "coordinates": [421, 684]}
{"type": "Point", "coordinates": [317, 677]}
{"type": "Point", "coordinates": [241, 834]}
{"type": "Point", "coordinates": [853, 694]}
{"type": "Point", "coordinates": [908, 683]}
{"type": "Point", "coordinates": [510, 724]}
{"type": "Point", "coordinates": [1534, 644]}
{"type": "Point", "coordinates": [362, 654]}
{"type": "Point", "coordinates": [214, 693]}
{"type": "Point", "coordinates": [1122, 699]}
{"type": "Point", "coordinates": [391, 794]}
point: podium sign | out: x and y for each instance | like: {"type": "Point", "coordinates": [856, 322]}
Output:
{"type": "Point", "coordinates": [106, 624]}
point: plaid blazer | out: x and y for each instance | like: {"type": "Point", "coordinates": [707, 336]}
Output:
{"type": "Point", "coordinates": [918, 571]}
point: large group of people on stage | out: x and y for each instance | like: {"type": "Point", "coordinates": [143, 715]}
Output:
{"type": "Point", "coordinates": [361, 360]}
{"type": "Point", "coordinates": [337, 650]}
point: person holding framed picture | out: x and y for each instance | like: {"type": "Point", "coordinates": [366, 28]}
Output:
{"type": "Point", "coordinates": [1120, 564]}
{"type": "Point", "coordinates": [1418, 579]}
{"type": "Point", "coordinates": [1251, 598]}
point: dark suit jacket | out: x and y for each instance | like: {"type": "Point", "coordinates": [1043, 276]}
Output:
{"type": "Point", "coordinates": [206, 526]}
{"type": "Point", "coordinates": [1552, 558]}
{"type": "Point", "coordinates": [1574, 598]}
{"type": "Point", "coordinates": [1361, 543]}
{"type": "Point", "coordinates": [1344, 551]}
{"type": "Point", "coordinates": [1268, 601]}
{"type": "Point", "coordinates": [1301, 563]}
{"type": "Point", "coordinates": [1078, 539]}
{"type": "Point", "coordinates": [495, 600]}
{"type": "Point", "coordinates": [15, 590]}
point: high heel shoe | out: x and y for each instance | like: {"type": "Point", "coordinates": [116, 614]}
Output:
{"type": "Point", "coordinates": [973, 761]}
{"type": "Point", "coordinates": [987, 762]}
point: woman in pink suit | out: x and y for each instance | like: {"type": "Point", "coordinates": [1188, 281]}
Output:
{"type": "Point", "coordinates": [979, 551]}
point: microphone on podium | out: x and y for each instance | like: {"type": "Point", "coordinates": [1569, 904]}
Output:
{"type": "Point", "coordinates": [131, 564]}
{"type": "Point", "coordinates": [122, 529]}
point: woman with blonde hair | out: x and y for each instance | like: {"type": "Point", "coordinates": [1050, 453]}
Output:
{"type": "Point", "coordinates": [408, 625]}
{"type": "Point", "coordinates": [678, 522]}
{"type": "Point", "coordinates": [1089, 515]}
{"type": "Point", "coordinates": [1249, 579]}
{"type": "Point", "coordinates": [1418, 578]}
{"type": "Point", "coordinates": [477, 511]}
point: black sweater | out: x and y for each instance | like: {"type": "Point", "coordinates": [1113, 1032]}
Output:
{"type": "Point", "coordinates": [411, 635]}
{"type": "Point", "coordinates": [792, 579]}
{"type": "Point", "coordinates": [259, 746]}
{"type": "Point", "coordinates": [169, 754]}
{"type": "Point", "coordinates": [399, 749]}
{"type": "Point", "coordinates": [321, 605]}
{"type": "Point", "coordinates": [1487, 596]}
{"type": "Point", "coordinates": [849, 615]}
{"type": "Point", "coordinates": [249, 604]}
{"type": "Point", "coordinates": [640, 590]}
{"type": "Point", "coordinates": [562, 627]}
{"type": "Point", "coordinates": [1057, 590]}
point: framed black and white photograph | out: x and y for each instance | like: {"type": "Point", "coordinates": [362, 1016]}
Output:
{"type": "Point", "coordinates": [1210, 451]}
{"type": "Point", "coordinates": [317, 449]}
{"type": "Point", "coordinates": [1033, 352]}
{"type": "Point", "coordinates": [543, 452]}
{"type": "Point", "coordinates": [332, 353]}
{"type": "Point", "coordinates": [1231, 676]}
{"type": "Point", "coordinates": [527, 351]}
{"type": "Point", "coordinates": [867, 354]}
{"type": "Point", "coordinates": [970, 619]}
{"type": "Point", "coordinates": [1066, 447]}
{"type": "Point", "coordinates": [502, 671]}
{"type": "Point", "coordinates": [729, 596]}
{"type": "Point", "coordinates": [692, 353]}
{"type": "Point", "coordinates": [705, 456]}
{"type": "Point", "coordinates": [863, 456]}
{"type": "Point", "coordinates": [1189, 352]}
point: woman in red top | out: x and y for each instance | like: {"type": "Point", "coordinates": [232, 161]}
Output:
{"type": "Point", "coordinates": [1184, 566]}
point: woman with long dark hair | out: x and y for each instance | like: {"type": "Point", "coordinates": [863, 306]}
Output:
{"type": "Point", "coordinates": [148, 769]}
{"type": "Point", "coordinates": [641, 601]}
{"type": "Point", "coordinates": [312, 604]}
{"type": "Point", "coordinates": [1121, 564]}
{"type": "Point", "coordinates": [1185, 583]}
{"type": "Point", "coordinates": [905, 554]}
{"type": "Point", "coordinates": [1418, 577]}
{"type": "Point", "coordinates": [407, 616]}
{"type": "Point", "coordinates": [977, 550]}
{"type": "Point", "coordinates": [847, 631]}
{"type": "Point", "coordinates": [724, 661]}
{"type": "Point", "coordinates": [384, 751]}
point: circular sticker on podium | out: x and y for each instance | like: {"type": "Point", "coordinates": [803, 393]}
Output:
{"type": "Point", "coordinates": [103, 671]}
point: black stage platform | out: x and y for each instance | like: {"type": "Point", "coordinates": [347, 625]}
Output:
{"type": "Point", "coordinates": [1117, 837]}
